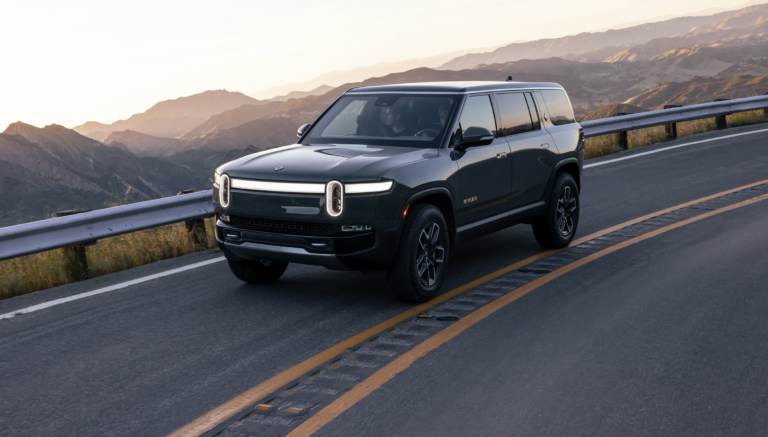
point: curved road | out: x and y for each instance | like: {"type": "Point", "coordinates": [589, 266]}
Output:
{"type": "Point", "coordinates": [663, 336]}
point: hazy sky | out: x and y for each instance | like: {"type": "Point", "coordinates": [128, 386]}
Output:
{"type": "Point", "coordinates": [68, 62]}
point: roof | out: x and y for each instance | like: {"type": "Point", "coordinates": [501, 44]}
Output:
{"type": "Point", "coordinates": [455, 87]}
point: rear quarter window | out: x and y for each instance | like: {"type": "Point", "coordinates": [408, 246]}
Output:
{"type": "Point", "coordinates": [560, 111]}
{"type": "Point", "coordinates": [515, 114]}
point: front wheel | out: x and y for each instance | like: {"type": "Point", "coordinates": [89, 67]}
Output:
{"type": "Point", "coordinates": [557, 227]}
{"type": "Point", "coordinates": [257, 272]}
{"type": "Point", "coordinates": [419, 268]}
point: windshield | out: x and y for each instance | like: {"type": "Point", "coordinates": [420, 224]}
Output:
{"type": "Point", "coordinates": [408, 120]}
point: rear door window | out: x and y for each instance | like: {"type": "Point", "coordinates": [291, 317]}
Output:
{"type": "Point", "coordinates": [515, 114]}
{"type": "Point", "coordinates": [560, 111]}
{"type": "Point", "coordinates": [478, 112]}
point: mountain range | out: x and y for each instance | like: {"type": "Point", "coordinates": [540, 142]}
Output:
{"type": "Point", "coordinates": [171, 118]}
{"type": "Point", "coordinates": [43, 170]}
{"type": "Point", "coordinates": [627, 37]}
{"type": "Point", "coordinates": [336, 78]}
{"type": "Point", "coordinates": [177, 143]}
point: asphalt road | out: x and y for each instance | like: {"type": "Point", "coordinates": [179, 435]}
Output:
{"type": "Point", "coordinates": [663, 337]}
{"type": "Point", "coordinates": [666, 337]}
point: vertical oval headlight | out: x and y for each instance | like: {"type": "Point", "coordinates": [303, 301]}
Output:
{"type": "Point", "coordinates": [334, 198]}
{"type": "Point", "coordinates": [224, 191]}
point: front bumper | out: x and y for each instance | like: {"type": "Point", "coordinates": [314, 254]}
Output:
{"type": "Point", "coordinates": [295, 228]}
{"type": "Point", "coordinates": [364, 251]}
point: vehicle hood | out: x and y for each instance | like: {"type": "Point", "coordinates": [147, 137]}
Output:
{"type": "Point", "coordinates": [323, 162]}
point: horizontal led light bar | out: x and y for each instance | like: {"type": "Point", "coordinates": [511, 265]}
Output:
{"type": "Point", "coordinates": [305, 188]}
{"type": "Point", "coordinates": [369, 187]}
{"type": "Point", "coordinates": [278, 187]}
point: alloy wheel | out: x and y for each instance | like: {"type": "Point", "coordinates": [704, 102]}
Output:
{"type": "Point", "coordinates": [566, 205]}
{"type": "Point", "coordinates": [429, 254]}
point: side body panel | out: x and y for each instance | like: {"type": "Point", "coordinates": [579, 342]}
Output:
{"type": "Point", "coordinates": [484, 176]}
{"type": "Point", "coordinates": [534, 156]}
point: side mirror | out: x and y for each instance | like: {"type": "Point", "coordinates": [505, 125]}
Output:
{"type": "Point", "coordinates": [476, 136]}
{"type": "Point", "coordinates": [303, 129]}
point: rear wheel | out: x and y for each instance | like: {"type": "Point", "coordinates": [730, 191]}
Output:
{"type": "Point", "coordinates": [557, 227]}
{"type": "Point", "coordinates": [418, 270]}
{"type": "Point", "coordinates": [257, 272]}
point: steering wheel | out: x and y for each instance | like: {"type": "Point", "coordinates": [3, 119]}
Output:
{"type": "Point", "coordinates": [423, 131]}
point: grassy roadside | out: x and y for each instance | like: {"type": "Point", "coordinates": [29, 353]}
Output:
{"type": "Point", "coordinates": [608, 144]}
{"type": "Point", "coordinates": [46, 270]}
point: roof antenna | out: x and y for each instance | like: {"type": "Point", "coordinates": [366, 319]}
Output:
{"type": "Point", "coordinates": [509, 78]}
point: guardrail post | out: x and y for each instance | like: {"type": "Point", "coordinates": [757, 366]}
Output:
{"type": "Point", "coordinates": [765, 111]}
{"type": "Point", "coordinates": [671, 128]}
{"type": "Point", "coordinates": [623, 136]}
{"type": "Point", "coordinates": [196, 227]}
{"type": "Point", "coordinates": [721, 122]}
{"type": "Point", "coordinates": [75, 259]}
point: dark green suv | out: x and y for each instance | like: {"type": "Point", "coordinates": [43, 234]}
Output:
{"type": "Point", "coordinates": [389, 178]}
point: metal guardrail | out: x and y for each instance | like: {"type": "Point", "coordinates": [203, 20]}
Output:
{"type": "Point", "coordinates": [34, 237]}
{"type": "Point", "coordinates": [29, 238]}
{"type": "Point", "coordinates": [623, 123]}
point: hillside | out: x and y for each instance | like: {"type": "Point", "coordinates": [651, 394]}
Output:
{"type": "Point", "coordinates": [701, 90]}
{"type": "Point", "coordinates": [322, 89]}
{"type": "Point", "coordinates": [616, 39]}
{"type": "Point", "coordinates": [43, 170]}
{"type": "Point", "coordinates": [262, 133]}
{"type": "Point", "coordinates": [145, 145]}
{"type": "Point", "coordinates": [683, 64]}
{"type": "Point", "coordinates": [171, 118]}
{"type": "Point", "coordinates": [609, 110]}
{"type": "Point", "coordinates": [746, 37]}
{"type": "Point", "coordinates": [234, 117]}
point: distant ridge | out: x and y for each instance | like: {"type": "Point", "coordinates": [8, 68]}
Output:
{"type": "Point", "coordinates": [336, 78]}
{"type": "Point", "coordinates": [55, 168]}
{"type": "Point", "coordinates": [171, 118]}
{"type": "Point", "coordinates": [145, 145]}
{"type": "Point", "coordinates": [628, 37]}
{"type": "Point", "coordinates": [322, 89]}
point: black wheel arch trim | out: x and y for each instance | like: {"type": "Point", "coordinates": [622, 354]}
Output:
{"type": "Point", "coordinates": [437, 190]}
{"type": "Point", "coordinates": [556, 170]}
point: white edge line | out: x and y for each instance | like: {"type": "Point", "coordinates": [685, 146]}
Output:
{"type": "Point", "coordinates": [664, 149]}
{"type": "Point", "coordinates": [119, 286]}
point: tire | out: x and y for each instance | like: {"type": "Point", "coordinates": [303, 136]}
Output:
{"type": "Point", "coordinates": [257, 272]}
{"type": "Point", "coordinates": [422, 258]}
{"type": "Point", "coordinates": [557, 227]}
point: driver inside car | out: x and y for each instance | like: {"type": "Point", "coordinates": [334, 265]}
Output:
{"type": "Point", "coordinates": [393, 118]}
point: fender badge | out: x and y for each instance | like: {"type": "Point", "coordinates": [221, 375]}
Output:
{"type": "Point", "coordinates": [279, 167]}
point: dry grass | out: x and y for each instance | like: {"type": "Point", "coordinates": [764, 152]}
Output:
{"type": "Point", "coordinates": [608, 144]}
{"type": "Point", "coordinates": [46, 270]}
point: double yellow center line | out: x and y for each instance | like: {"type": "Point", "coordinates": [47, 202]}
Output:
{"type": "Point", "coordinates": [218, 415]}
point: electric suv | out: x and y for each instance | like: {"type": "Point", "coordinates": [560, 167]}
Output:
{"type": "Point", "coordinates": [389, 178]}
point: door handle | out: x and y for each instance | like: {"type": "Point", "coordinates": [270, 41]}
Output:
{"type": "Point", "coordinates": [501, 155]}
{"type": "Point", "coordinates": [545, 146]}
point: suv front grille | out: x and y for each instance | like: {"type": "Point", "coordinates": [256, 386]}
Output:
{"type": "Point", "coordinates": [282, 226]}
